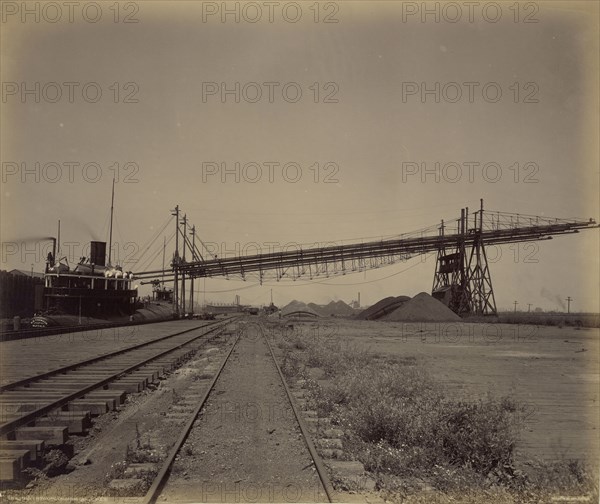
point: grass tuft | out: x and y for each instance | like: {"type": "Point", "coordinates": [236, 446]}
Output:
{"type": "Point", "coordinates": [403, 426]}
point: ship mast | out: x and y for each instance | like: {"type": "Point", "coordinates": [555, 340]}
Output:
{"type": "Point", "coordinates": [112, 203]}
{"type": "Point", "coordinates": [164, 248]}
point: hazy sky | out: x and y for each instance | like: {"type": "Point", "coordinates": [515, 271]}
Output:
{"type": "Point", "coordinates": [365, 114]}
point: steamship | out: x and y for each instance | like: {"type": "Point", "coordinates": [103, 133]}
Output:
{"type": "Point", "coordinates": [90, 290]}
{"type": "Point", "coordinates": [94, 291]}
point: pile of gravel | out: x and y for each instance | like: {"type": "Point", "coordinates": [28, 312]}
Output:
{"type": "Point", "coordinates": [334, 308]}
{"type": "Point", "coordinates": [295, 308]}
{"type": "Point", "coordinates": [422, 308]}
{"type": "Point", "coordinates": [382, 308]}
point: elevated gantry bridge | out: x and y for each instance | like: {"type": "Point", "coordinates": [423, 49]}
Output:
{"type": "Point", "coordinates": [462, 278]}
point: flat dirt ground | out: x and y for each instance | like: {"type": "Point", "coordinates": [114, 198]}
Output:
{"type": "Point", "coordinates": [554, 371]}
{"type": "Point", "coordinates": [246, 446]}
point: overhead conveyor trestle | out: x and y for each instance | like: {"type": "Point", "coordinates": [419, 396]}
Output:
{"type": "Point", "coordinates": [462, 278]}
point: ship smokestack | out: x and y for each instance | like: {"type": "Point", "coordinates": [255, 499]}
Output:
{"type": "Point", "coordinates": [98, 253]}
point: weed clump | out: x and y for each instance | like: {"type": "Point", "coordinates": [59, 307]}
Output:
{"type": "Point", "coordinates": [408, 425]}
{"type": "Point", "coordinates": [401, 423]}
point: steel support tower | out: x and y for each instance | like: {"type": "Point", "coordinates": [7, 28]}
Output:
{"type": "Point", "coordinates": [462, 277]}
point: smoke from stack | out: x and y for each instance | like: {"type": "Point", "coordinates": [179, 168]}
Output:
{"type": "Point", "coordinates": [554, 298]}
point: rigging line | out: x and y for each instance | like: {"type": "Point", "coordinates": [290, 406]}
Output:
{"type": "Point", "coordinates": [358, 212]}
{"type": "Point", "coordinates": [188, 242]}
{"type": "Point", "coordinates": [231, 290]}
{"type": "Point", "coordinates": [196, 255]}
{"type": "Point", "coordinates": [153, 239]}
{"type": "Point", "coordinates": [157, 232]}
{"type": "Point", "coordinates": [153, 258]}
{"type": "Point", "coordinates": [354, 241]}
{"type": "Point", "coordinates": [210, 254]}
{"type": "Point", "coordinates": [197, 252]}
{"type": "Point", "coordinates": [150, 260]}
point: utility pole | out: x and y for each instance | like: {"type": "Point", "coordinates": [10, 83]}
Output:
{"type": "Point", "coordinates": [193, 233]}
{"type": "Point", "coordinates": [516, 303]}
{"type": "Point", "coordinates": [184, 234]}
{"type": "Point", "coordinates": [569, 299]}
{"type": "Point", "coordinates": [529, 307]}
{"type": "Point", "coordinates": [176, 264]}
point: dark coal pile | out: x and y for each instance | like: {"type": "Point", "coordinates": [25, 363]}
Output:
{"type": "Point", "coordinates": [333, 309]}
{"type": "Point", "coordinates": [422, 308]}
{"type": "Point", "coordinates": [296, 309]}
{"type": "Point", "coordinates": [382, 308]}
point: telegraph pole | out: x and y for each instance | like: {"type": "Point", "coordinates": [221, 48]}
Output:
{"type": "Point", "coordinates": [176, 264]}
{"type": "Point", "coordinates": [569, 299]}
{"type": "Point", "coordinates": [528, 307]}
{"type": "Point", "coordinates": [184, 234]}
{"type": "Point", "coordinates": [516, 303]}
{"type": "Point", "coordinates": [193, 233]}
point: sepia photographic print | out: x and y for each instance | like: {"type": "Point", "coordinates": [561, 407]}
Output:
{"type": "Point", "coordinates": [299, 251]}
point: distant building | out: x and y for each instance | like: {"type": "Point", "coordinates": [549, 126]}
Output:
{"type": "Point", "coordinates": [19, 272]}
{"type": "Point", "coordinates": [216, 309]}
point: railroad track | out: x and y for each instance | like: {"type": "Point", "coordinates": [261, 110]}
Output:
{"type": "Point", "coordinates": [64, 363]}
{"type": "Point", "coordinates": [37, 332]}
{"type": "Point", "coordinates": [159, 489]}
{"type": "Point", "coordinates": [42, 410]}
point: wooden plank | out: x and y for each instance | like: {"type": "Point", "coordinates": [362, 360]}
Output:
{"type": "Point", "coordinates": [35, 446]}
{"type": "Point", "coordinates": [51, 435]}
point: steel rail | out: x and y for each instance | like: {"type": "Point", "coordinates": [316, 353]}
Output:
{"type": "Point", "coordinates": [25, 381]}
{"type": "Point", "coordinates": [322, 472]}
{"type": "Point", "coordinates": [33, 332]}
{"type": "Point", "coordinates": [11, 425]}
{"type": "Point", "coordinates": [162, 476]}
